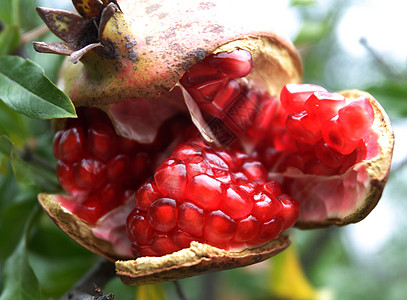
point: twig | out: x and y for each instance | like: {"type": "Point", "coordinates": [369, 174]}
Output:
{"type": "Point", "coordinates": [379, 59]}
{"type": "Point", "coordinates": [180, 290]}
{"type": "Point", "coordinates": [89, 287]}
{"type": "Point", "coordinates": [28, 156]}
{"type": "Point", "coordinates": [33, 34]}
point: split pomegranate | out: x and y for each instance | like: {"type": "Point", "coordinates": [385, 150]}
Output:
{"type": "Point", "coordinates": [225, 198]}
{"type": "Point", "coordinates": [211, 195]}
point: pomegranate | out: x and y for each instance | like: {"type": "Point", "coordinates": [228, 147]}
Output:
{"type": "Point", "coordinates": [261, 152]}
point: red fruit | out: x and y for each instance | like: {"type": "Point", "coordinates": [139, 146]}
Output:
{"type": "Point", "coordinates": [71, 145]}
{"type": "Point", "coordinates": [102, 141]}
{"type": "Point", "coordinates": [90, 173]}
{"type": "Point", "coordinates": [219, 228]}
{"type": "Point", "coordinates": [226, 202]}
{"type": "Point", "coordinates": [356, 119]}
{"type": "Point", "coordinates": [191, 218]}
{"type": "Point", "coordinates": [303, 128]}
{"type": "Point", "coordinates": [293, 96]}
{"type": "Point", "coordinates": [235, 64]}
{"type": "Point", "coordinates": [162, 214]}
{"type": "Point", "coordinates": [334, 135]}
{"type": "Point", "coordinates": [323, 106]}
{"type": "Point", "coordinates": [94, 160]}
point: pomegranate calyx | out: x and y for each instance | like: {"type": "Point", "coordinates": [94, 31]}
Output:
{"type": "Point", "coordinates": [80, 34]}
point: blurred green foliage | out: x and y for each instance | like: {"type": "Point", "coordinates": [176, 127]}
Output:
{"type": "Point", "coordinates": [38, 261]}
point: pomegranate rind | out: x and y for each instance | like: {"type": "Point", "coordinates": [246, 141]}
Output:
{"type": "Point", "coordinates": [79, 230]}
{"type": "Point", "coordinates": [155, 42]}
{"type": "Point", "coordinates": [377, 169]}
{"type": "Point", "coordinates": [197, 259]}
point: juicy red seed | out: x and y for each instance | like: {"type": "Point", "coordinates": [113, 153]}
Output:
{"type": "Point", "coordinates": [241, 114]}
{"type": "Point", "coordinates": [235, 203]}
{"type": "Point", "coordinates": [197, 165]}
{"type": "Point", "coordinates": [283, 140]}
{"type": "Point", "coordinates": [163, 244]}
{"type": "Point", "coordinates": [102, 141]}
{"type": "Point", "coordinates": [298, 160]}
{"type": "Point", "coordinates": [255, 170]}
{"type": "Point", "coordinates": [247, 229]}
{"type": "Point", "coordinates": [223, 100]}
{"type": "Point", "coordinates": [141, 251]}
{"type": "Point", "coordinates": [171, 178]}
{"type": "Point", "coordinates": [356, 119]}
{"type": "Point", "coordinates": [235, 64]}
{"type": "Point", "coordinates": [141, 166]}
{"type": "Point", "coordinates": [182, 239]}
{"type": "Point", "coordinates": [205, 191]}
{"type": "Point", "coordinates": [90, 210]}
{"type": "Point", "coordinates": [162, 214]}
{"type": "Point", "coordinates": [323, 106]}
{"type": "Point", "coordinates": [219, 227]}
{"type": "Point", "coordinates": [138, 228]}
{"type": "Point", "coordinates": [333, 135]}
{"type": "Point", "coordinates": [330, 156]}
{"type": "Point", "coordinates": [111, 196]}
{"type": "Point", "coordinates": [215, 160]}
{"type": "Point", "coordinates": [55, 143]}
{"type": "Point", "coordinates": [272, 188]}
{"type": "Point", "coordinates": [293, 96]}
{"type": "Point", "coordinates": [146, 195]}
{"type": "Point", "coordinates": [89, 173]}
{"type": "Point", "coordinates": [191, 218]}
{"type": "Point", "coordinates": [303, 128]}
{"type": "Point", "coordinates": [206, 92]}
{"type": "Point", "coordinates": [316, 167]}
{"type": "Point", "coordinates": [291, 210]}
{"type": "Point", "coordinates": [264, 207]}
{"type": "Point", "coordinates": [271, 229]}
{"type": "Point", "coordinates": [67, 179]}
{"type": "Point", "coordinates": [199, 73]}
{"type": "Point", "coordinates": [71, 145]}
{"type": "Point", "coordinates": [118, 168]}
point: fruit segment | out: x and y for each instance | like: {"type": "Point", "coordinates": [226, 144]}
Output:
{"type": "Point", "coordinates": [101, 169]}
{"type": "Point", "coordinates": [228, 203]}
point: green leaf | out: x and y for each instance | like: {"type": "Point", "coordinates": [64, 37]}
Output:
{"type": "Point", "coordinates": [5, 146]}
{"type": "Point", "coordinates": [30, 173]}
{"type": "Point", "coordinates": [9, 12]}
{"type": "Point", "coordinates": [12, 220]}
{"type": "Point", "coordinates": [13, 125]}
{"type": "Point", "coordinates": [9, 39]}
{"type": "Point", "coordinates": [301, 2]}
{"type": "Point", "coordinates": [20, 282]}
{"type": "Point", "coordinates": [25, 89]}
{"type": "Point", "coordinates": [393, 97]}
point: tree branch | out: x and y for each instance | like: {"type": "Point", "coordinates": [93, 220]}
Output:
{"type": "Point", "coordinates": [89, 287]}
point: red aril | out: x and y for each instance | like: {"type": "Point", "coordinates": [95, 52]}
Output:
{"type": "Point", "coordinates": [235, 64]}
{"type": "Point", "coordinates": [293, 96]}
{"type": "Point", "coordinates": [323, 106]}
{"type": "Point", "coordinates": [211, 209]}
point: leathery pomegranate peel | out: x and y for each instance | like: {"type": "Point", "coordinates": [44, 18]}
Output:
{"type": "Point", "coordinates": [116, 60]}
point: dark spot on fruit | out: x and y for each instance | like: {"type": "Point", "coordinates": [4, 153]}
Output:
{"type": "Point", "coordinates": [206, 5]}
{"type": "Point", "coordinates": [148, 39]}
{"type": "Point", "coordinates": [162, 15]}
{"type": "Point", "coordinates": [152, 8]}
